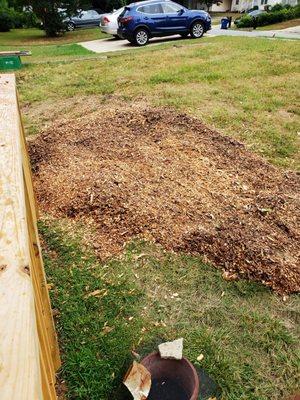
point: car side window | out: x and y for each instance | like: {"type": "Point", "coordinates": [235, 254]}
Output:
{"type": "Point", "coordinates": [171, 8]}
{"type": "Point", "coordinates": [150, 9]}
{"type": "Point", "coordinates": [89, 14]}
{"type": "Point", "coordinates": [83, 15]}
{"type": "Point", "coordinates": [93, 14]}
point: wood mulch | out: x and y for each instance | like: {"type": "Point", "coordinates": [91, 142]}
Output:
{"type": "Point", "coordinates": [136, 171]}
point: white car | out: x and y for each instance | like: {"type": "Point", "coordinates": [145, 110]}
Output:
{"type": "Point", "coordinates": [109, 22]}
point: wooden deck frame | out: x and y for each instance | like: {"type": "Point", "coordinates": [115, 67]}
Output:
{"type": "Point", "coordinates": [29, 355]}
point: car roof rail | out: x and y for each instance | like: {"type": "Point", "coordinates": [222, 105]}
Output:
{"type": "Point", "coordinates": [147, 1]}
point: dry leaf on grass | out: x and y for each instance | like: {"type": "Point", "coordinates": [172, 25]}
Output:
{"type": "Point", "coordinates": [97, 293]}
{"type": "Point", "coordinates": [229, 276]}
{"type": "Point", "coordinates": [106, 329]}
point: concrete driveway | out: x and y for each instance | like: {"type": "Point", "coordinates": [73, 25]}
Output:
{"type": "Point", "coordinates": [111, 44]}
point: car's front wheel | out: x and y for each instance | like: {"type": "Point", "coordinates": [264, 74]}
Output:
{"type": "Point", "coordinates": [141, 37]}
{"type": "Point", "coordinates": [70, 26]}
{"type": "Point", "coordinates": [197, 30]}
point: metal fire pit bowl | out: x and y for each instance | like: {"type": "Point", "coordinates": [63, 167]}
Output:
{"type": "Point", "coordinates": [180, 371]}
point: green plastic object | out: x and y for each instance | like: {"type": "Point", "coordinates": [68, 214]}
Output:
{"type": "Point", "coordinates": [10, 62]}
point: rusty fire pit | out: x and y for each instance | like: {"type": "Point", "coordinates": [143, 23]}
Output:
{"type": "Point", "coordinates": [171, 379]}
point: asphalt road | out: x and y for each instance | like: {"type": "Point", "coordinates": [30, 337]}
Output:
{"type": "Point", "coordinates": [111, 44]}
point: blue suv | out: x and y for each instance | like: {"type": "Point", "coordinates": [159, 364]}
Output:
{"type": "Point", "coordinates": [145, 19]}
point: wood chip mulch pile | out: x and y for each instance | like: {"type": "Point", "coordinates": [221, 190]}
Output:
{"type": "Point", "coordinates": [154, 173]}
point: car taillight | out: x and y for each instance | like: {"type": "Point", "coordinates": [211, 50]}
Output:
{"type": "Point", "coordinates": [106, 20]}
{"type": "Point", "coordinates": [125, 20]}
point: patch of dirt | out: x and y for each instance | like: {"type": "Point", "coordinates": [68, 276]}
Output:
{"type": "Point", "coordinates": [154, 173]}
{"type": "Point", "coordinates": [45, 112]}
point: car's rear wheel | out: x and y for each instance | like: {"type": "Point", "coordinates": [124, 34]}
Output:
{"type": "Point", "coordinates": [197, 30]}
{"type": "Point", "coordinates": [141, 37]}
{"type": "Point", "coordinates": [70, 26]}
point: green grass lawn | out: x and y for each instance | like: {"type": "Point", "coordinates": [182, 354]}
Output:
{"type": "Point", "coordinates": [281, 25]}
{"type": "Point", "coordinates": [45, 49]}
{"type": "Point", "coordinates": [37, 37]}
{"type": "Point", "coordinates": [246, 88]}
{"type": "Point", "coordinates": [55, 52]}
{"type": "Point", "coordinates": [247, 335]}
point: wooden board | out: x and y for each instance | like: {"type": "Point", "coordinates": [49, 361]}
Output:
{"type": "Point", "coordinates": [15, 53]}
{"type": "Point", "coordinates": [28, 347]}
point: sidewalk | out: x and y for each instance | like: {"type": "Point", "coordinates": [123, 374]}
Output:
{"type": "Point", "coordinates": [288, 33]}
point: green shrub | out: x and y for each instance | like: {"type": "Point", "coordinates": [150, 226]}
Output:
{"type": "Point", "coordinates": [30, 20]}
{"type": "Point", "coordinates": [17, 18]}
{"type": "Point", "coordinates": [280, 14]}
{"type": "Point", "coordinates": [10, 18]}
{"type": "Point", "coordinates": [279, 7]}
{"type": "Point", "coordinates": [53, 24]}
{"type": "Point", "coordinates": [25, 19]}
{"type": "Point", "coordinates": [6, 22]}
{"type": "Point", "coordinates": [244, 22]}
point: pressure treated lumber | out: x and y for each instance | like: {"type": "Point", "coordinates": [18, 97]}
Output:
{"type": "Point", "coordinates": [29, 353]}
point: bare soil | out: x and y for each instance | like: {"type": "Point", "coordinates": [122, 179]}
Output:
{"type": "Point", "coordinates": [135, 171]}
